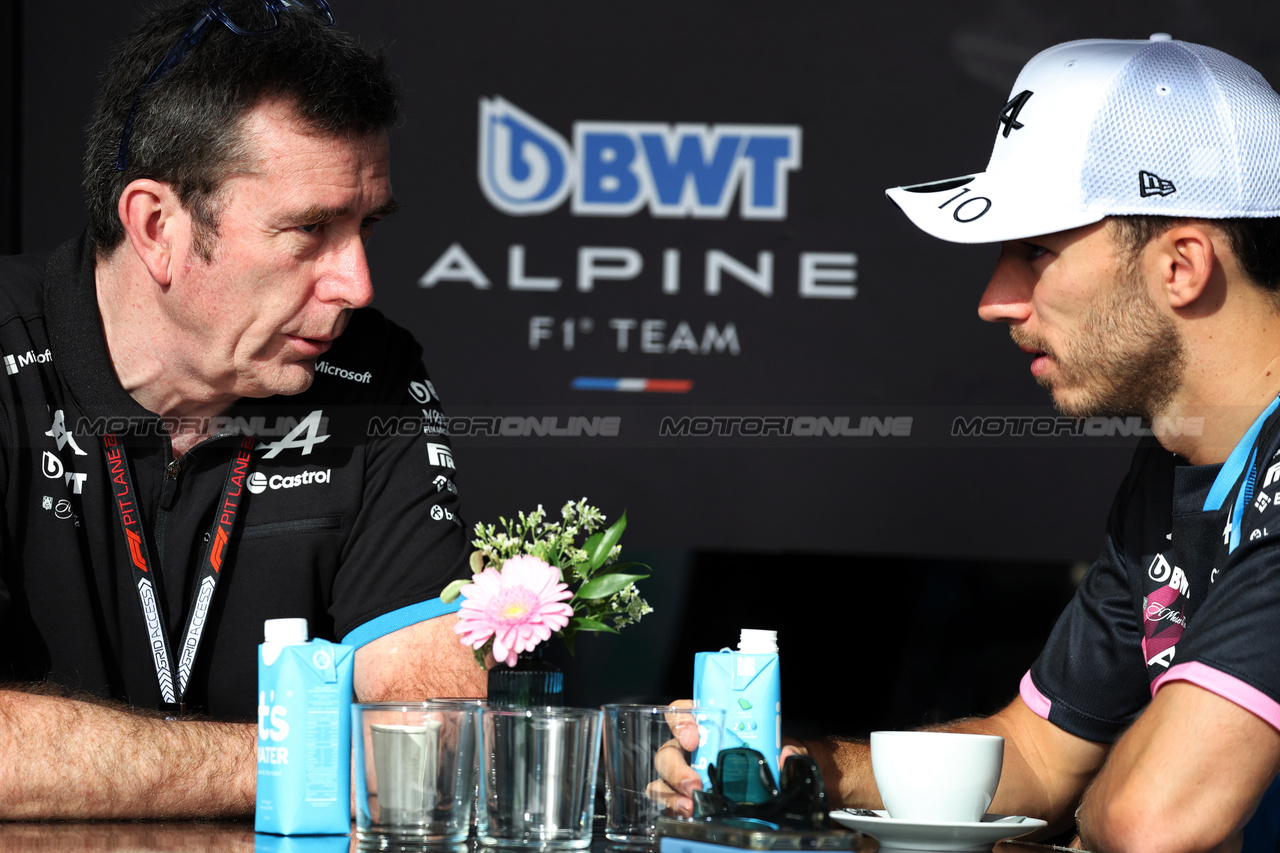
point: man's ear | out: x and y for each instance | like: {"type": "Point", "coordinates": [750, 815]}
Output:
{"type": "Point", "coordinates": [1185, 259]}
{"type": "Point", "coordinates": [156, 226]}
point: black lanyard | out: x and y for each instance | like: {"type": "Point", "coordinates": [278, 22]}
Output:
{"type": "Point", "coordinates": [173, 676]}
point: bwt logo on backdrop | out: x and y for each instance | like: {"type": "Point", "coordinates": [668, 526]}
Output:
{"type": "Point", "coordinates": [618, 168]}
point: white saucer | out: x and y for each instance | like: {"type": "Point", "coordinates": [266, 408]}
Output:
{"type": "Point", "coordinates": [916, 835]}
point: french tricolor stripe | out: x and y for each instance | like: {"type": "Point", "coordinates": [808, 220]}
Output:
{"type": "Point", "coordinates": [633, 384]}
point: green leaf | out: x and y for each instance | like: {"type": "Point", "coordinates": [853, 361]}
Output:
{"type": "Point", "coordinates": [606, 585]}
{"type": "Point", "coordinates": [598, 549]}
{"type": "Point", "coordinates": [618, 567]}
{"type": "Point", "coordinates": [585, 624]}
{"type": "Point", "coordinates": [589, 547]}
{"type": "Point", "coordinates": [452, 591]}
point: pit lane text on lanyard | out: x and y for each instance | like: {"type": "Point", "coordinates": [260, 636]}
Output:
{"type": "Point", "coordinates": [173, 676]}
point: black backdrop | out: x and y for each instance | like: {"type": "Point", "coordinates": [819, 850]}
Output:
{"type": "Point", "coordinates": [950, 497]}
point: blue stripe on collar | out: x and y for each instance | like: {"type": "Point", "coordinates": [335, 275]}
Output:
{"type": "Point", "coordinates": [1235, 465]}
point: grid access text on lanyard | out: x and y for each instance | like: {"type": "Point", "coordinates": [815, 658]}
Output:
{"type": "Point", "coordinates": [174, 675]}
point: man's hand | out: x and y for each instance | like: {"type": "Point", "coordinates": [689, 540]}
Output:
{"type": "Point", "coordinates": [679, 780]}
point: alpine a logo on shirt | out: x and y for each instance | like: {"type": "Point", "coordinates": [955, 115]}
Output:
{"type": "Point", "coordinates": [260, 482]}
{"type": "Point", "coordinates": [309, 432]}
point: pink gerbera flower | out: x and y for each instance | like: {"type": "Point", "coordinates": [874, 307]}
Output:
{"type": "Point", "coordinates": [518, 606]}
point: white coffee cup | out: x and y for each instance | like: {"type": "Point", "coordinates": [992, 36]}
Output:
{"type": "Point", "coordinates": [936, 777]}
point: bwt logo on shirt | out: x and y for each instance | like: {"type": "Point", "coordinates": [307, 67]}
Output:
{"type": "Point", "coordinates": [617, 168]}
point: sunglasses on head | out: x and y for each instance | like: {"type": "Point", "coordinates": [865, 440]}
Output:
{"type": "Point", "coordinates": [251, 19]}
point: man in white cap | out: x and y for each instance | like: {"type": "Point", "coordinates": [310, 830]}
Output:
{"type": "Point", "coordinates": [1135, 186]}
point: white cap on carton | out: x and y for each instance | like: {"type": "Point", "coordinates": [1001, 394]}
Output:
{"type": "Point", "coordinates": [286, 632]}
{"type": "Point", "coordinates": [757, 641]}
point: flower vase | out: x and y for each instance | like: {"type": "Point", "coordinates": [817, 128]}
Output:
{"type": "Point", "coordinates": [531, 682]}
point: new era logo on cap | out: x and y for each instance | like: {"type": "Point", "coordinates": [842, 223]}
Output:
{"type": "Point", "coordinates": [1149, 184]}
{"type": "Point", "coordinates": [1103, 111]}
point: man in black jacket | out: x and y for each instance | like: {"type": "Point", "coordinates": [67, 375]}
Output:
{"type": "Point", "coordinates": [202, 425]}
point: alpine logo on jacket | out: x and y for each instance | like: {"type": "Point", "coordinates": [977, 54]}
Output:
{"type": "Point", "coordinates": [309, 432]}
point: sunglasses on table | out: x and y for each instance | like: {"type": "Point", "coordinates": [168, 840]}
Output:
{"type": "Point", "coordinates": [742, 787]}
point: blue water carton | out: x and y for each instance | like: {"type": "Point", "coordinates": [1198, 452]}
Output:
{"type": "Point", "coordinates": [304, 733]}
{"type": "Point", "coordinates": [746, 683]}
{"type": "Point", "coordinates": [264, 843]}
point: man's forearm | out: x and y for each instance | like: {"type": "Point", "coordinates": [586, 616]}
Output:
{"type": "Point", "coordinates": [71, 759]}
{"type": "Point", "coordinates": [421, 661]}
{"type": "Point", "coordinates": [1197, 797]}
{"type": "Point", "coordinates": [1044, 770]}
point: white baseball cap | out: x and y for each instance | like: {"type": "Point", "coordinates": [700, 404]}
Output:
{"type": "Point", "coordinates": [1108, 127]}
